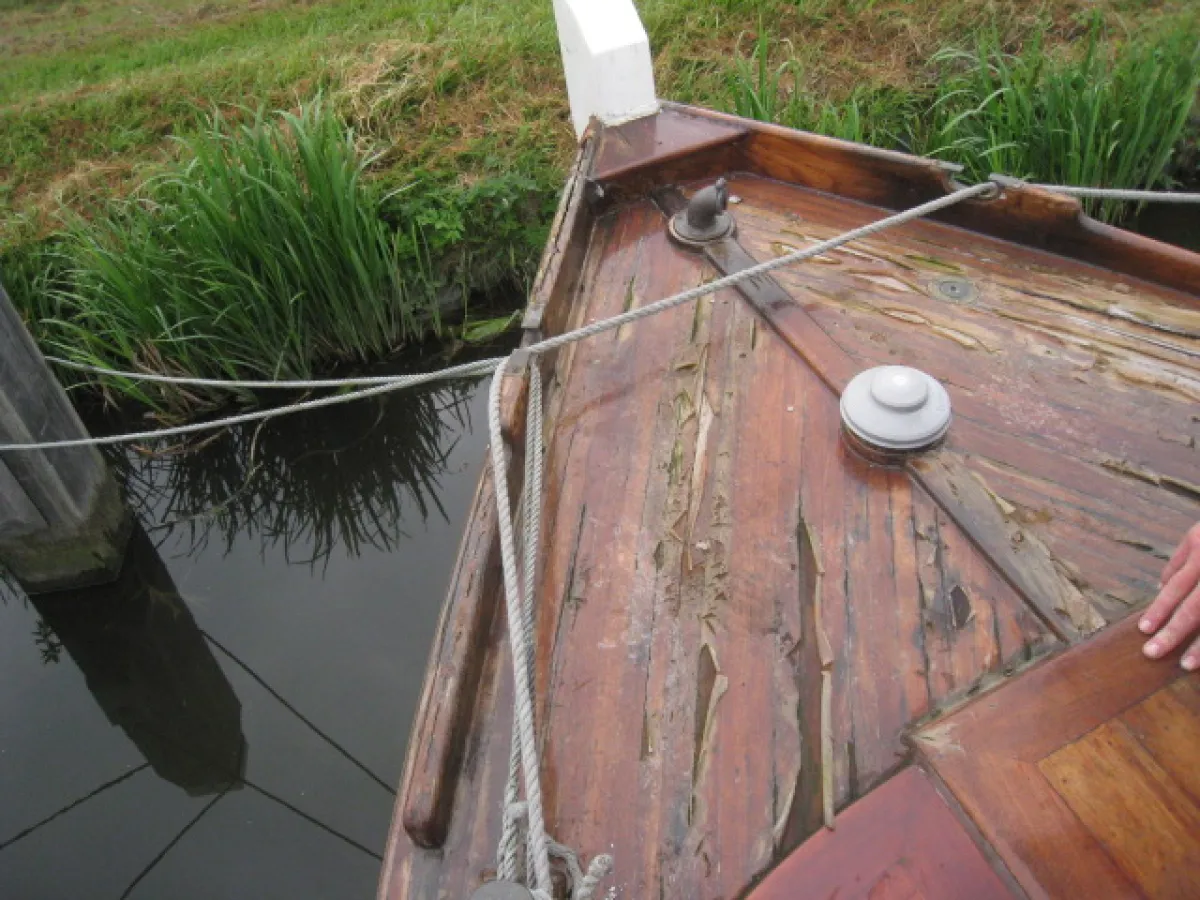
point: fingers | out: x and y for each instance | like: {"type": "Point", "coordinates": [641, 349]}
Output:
{"type": "Point", "coordinates": [1180, 585]}
{"type": "Point", "coordinates": [1191, 657]}
{"type": "Point", "coordinates": [1189, 546]}
{"type": "Point", "coordinates": [1184, 624]}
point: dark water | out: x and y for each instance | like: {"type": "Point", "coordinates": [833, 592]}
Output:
{"type": "Point", "coordinates": [229, 720]}
{"type": "Point", "coordinates": [1173, 223]}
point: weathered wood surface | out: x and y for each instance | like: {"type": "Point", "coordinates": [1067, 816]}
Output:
{"type": "Point", "coordinates": [658, 140]}
{"type": "Point", "coordinates": [686, 455]}
{"type": "Point", "coordinates": [1075, 390]}
{"type": "Point", "coordinates": [900, 842]}
{"type": "Point", "coordinates": [1082, 772]}
{"type": "Point", "coordinates": [1029, 216]}
{"type": "Point", "coordinates": [562, 257]}
{"type": "Point", "coordinates": [678, 672]}
{"type": "Point", "coordinates": [444, 716]}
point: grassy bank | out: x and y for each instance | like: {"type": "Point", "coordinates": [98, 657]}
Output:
{"type": "Point", "coordinates": [266, 251]}
{"type": "Point", "coordinates": [451, 136]}
{"type": "Point", "coordinates": [1098, 113]}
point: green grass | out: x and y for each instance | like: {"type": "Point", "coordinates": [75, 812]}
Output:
{"type": "Point", "coordinates": [1101, 114]}
{"type": "Point", "coordinates": [265, 253]}
{"type": "Point", "coordinates": [461, 138]}
{"type": "Point", "coordinates": [1098, 118]}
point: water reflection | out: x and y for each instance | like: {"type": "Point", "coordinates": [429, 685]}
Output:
{"type": "Point", "coordinates": [362, 465]}
{"type": "Point", "coordinates": [233, 710]}
{"type": "Point", "coordinates": [151, 671]}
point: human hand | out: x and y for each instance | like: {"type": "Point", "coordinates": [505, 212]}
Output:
{"type": "Point", "coordinates": [1174, 616]}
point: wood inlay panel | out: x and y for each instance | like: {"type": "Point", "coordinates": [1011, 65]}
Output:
{"type": "Point", "coordinates": [1133, 808]}
{"type": "Point", "coordinates": [901, 842]}
{"type": "Point", "coordinates": [1076, 773]}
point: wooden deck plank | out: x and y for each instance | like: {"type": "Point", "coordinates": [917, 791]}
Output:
{"type": "Point", "coordinates": [1133, 808]}
{"type": "Point", "coordinates": [900, 842]}
{"type": "Point", "coordinates": [1049, 816]}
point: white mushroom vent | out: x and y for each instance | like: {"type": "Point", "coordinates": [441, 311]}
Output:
{"type": "Point", "coordinates": [896, 408]}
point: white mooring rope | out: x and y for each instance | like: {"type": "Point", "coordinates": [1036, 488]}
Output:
{"type": "Point", "coordinates": [1093, 193]}
{"type": "Point", "coordinates": [399, 382]}
{"type": "Point", "coordinates": [229, 383]}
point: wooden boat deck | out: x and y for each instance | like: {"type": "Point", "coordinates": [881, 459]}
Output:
{"type": "Point", "coordinates": [709, 538]}
{"type": "Point", "coordinates": [1082, 774]}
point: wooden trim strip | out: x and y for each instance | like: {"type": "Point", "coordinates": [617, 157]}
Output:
{"type": "Point", "coordinates": [562, 257]}
{"type": "Point", "coordinates": [443, 719]}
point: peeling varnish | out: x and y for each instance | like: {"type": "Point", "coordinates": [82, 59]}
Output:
{"type": "Point", "coordinates": [1117, 311]}
{"type": "Point", "coordinates": [632, 302]}
{"type": "Point", "coordinates": [1170, 482]}
{"type": "Point", "coordinates": [886, 281]}
{"type": "Point", "coordinates": [1157, 378]}
{"type": "Point", "coordinates": [825, 654]}
{"type": "Point", "coordinates": [781, 249]}
{"type": "Point", "coordinates": [1109, 341]}
{"type": "Point", "coordinates": [939, 740]}
{"type": "Point", "coordinates": [915, 318]}
{"type": "Point", "coordinates": [1070, 601]}
{"type": "Point", "coordinates": [935, 264]}
{"type": "Point", "coordinates": [711, 685]}
{"type": "Point", "coordinates": [1185, 440]}
{"type": "Point", "coordinates": [696, 485]}
{"type": "Point", "coordinates": [1149, 313]}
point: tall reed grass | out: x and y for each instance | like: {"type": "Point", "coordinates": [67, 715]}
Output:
{"type": "Point", "coordinates": [267, 254]}
{"type": "Point", "coordinates": [1103, 115]}
{"type": "Point", "coordinates": [1097, 118]}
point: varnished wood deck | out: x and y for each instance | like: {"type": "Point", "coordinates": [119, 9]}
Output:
{"type": "Point", "coordinates": [1082, 774]}
{"type": "Point", "coordinates": [900, 842]}
{"type": "Point", "coordinates": [690, 455]}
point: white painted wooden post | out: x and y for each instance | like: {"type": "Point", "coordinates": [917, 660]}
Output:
{"type": "Point", "coordinates": [606, 57]}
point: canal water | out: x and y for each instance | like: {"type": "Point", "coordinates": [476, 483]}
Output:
{"type": "Point", "coordinates": [229, 719]}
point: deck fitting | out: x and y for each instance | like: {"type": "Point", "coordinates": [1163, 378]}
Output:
{"type": "Point", "coordinates": [704, 219]}
{"type": "Point", "coordinates": [895, 409]}
{"type": "Point", "coordinates": [956, 290]}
